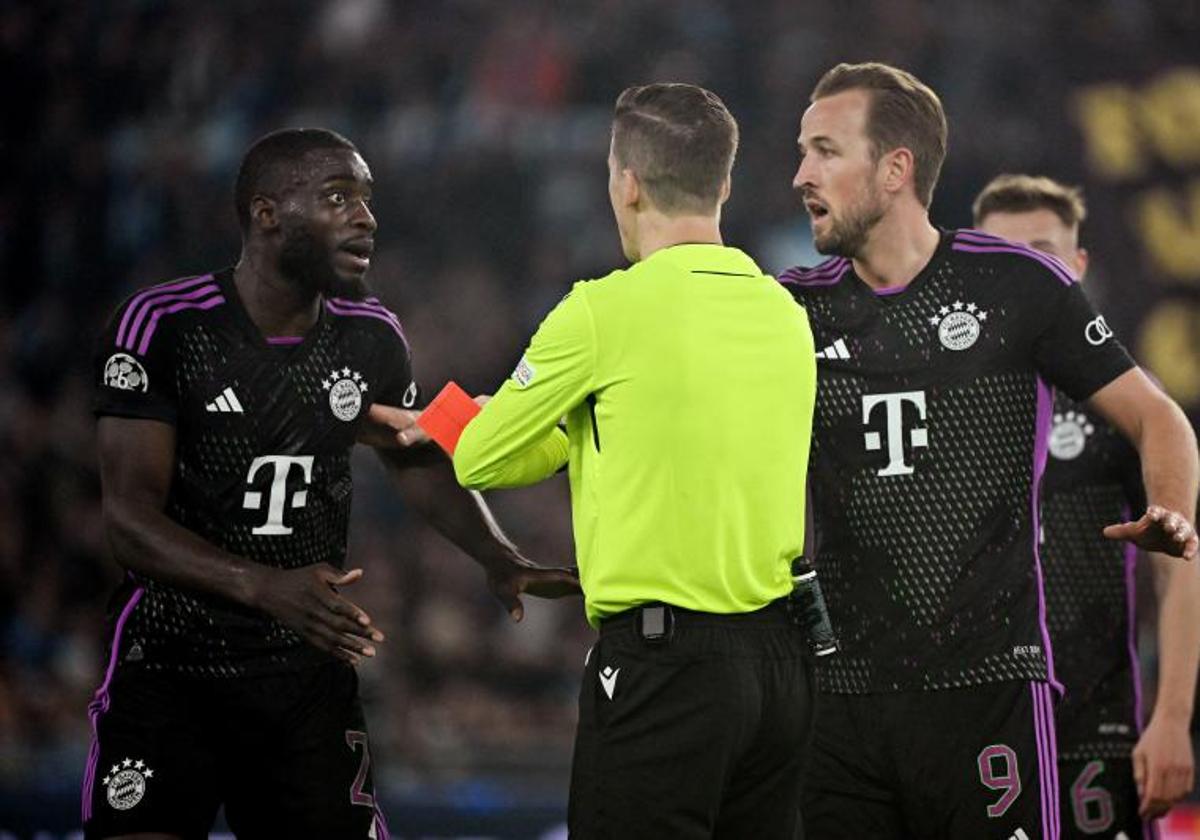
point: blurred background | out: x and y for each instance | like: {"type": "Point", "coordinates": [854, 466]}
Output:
{"type": "Point", "coordinates": [486, 126]}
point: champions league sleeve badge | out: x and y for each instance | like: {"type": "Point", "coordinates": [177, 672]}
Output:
{"type": "Point", "coordinates": [125, 373]}
{"type": "Point", "coordinates": [346, 389]}
{"type": "Point", "coordinates": [959, 325]}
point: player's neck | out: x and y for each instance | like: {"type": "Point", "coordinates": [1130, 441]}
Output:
{"type": "Point", "coordinates": [657, 231]}
{"type": "Point", "coordinates": [898, 248]}
{"type": "Point", "coordinates": [277, 306]}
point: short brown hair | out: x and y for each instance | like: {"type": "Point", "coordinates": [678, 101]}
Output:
{"type": "Point", "coordinates": [1023, 193]}
{"type": "Point", "coordinates": [904, 112]}
{"type": "Point", "coordinates": [680, 141]}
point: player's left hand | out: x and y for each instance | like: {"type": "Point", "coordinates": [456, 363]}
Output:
{"type": "Point", "coordinates": [1160, 530]}
{"type": "Point", "coordinates": [517, 575]}
{"type": "Point", "coordinates": [1163, 767]}
{"type": "Point", "coordinates": [389, 427]}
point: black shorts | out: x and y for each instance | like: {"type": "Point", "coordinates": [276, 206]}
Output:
{"type": "Point", "coordinates": [1100, 800]}
{"type": "Point", "coordinates": [286, 754]}
{"type": "Point", "coordinates": [703, 735]}
{"type": "Point", "coordinates": [974, 762]}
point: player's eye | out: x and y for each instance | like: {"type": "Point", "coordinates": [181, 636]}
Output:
{"type": "Point", "coordinates": [337, 198]}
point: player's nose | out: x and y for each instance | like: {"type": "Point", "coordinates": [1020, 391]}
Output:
{"type": "Point", "coordinates": [364, 218]}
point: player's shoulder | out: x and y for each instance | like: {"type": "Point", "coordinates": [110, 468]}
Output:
{"type": "Point", "coordinates": [369, 315]}
{"type": "Point", "coordinates": [1014, 258]}
{"type": "Point", "coordinates": [144, 316]}
{"type": "Point", "coordinates": [803, 280]}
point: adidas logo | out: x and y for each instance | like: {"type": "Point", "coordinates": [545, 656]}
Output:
{"type": "Point", "coordinates": [1019, 834]}
{"type": "Point", "coordinates": [837, 350]}
{"type": "Point", "coordinates": [226, 403]}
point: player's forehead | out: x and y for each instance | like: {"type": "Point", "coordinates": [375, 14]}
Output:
{"type": "Point", "coordinates": [840, 117]}
{"type": "Point", "coordinates": [1030, 227]}
{"type": "Point", "coordinates": [321, 167]}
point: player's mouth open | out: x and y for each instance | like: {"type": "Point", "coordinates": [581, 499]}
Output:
{"type": "Point", "coordinates": [359, 251]}
{"type": "Point", "coordinates": [816, 210]}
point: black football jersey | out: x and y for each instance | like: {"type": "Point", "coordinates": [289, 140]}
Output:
{"type": "Point", "coordinates": [262, 465]}
{"type": "Point", "coordinates": [934, 404]}
{"type": "Point", "coordinates": [1093, 479]}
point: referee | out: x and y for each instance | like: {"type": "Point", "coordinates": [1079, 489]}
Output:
{"type": "Point", "coordinates": [687, 382]}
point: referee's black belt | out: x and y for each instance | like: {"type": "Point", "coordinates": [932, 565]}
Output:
{"type": "Point", "coordinates": [657, 622]}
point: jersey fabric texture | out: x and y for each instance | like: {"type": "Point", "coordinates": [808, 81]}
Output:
{"type": "Point", "coordinates": [1093, 479]}
{"type": "Point", "coordinates": [263, 438]}
{"type": "Point", "coordinates": [687, 383]}
{"type": "Point", "coordinates": [929, 440]}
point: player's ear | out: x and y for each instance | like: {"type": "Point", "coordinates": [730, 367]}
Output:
{"type": "Point", "coordinates": [263, 213]}
{"type": "Point", "coordinates": [897, 167]}
{"type": "Point", "coordinates": [726, 189]}
{"type": "Point", "coordinates": [1081, 262]}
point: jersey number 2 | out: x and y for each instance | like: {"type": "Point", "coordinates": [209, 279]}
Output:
{"type": "Point", "coordinates": [358, 796]}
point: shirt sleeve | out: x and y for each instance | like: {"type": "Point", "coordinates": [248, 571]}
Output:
{"type": "Point", "coordinates": [1077, 350]}
{"type": "Point", "coordinates": [134, 379]}
{"type": "Point", "coordinates": [399, 386]}
{"type": "Point", "coordinates": [514, 441]}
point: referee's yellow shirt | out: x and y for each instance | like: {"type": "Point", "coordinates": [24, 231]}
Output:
{"type": "Point", "coordinates": [687, 382]}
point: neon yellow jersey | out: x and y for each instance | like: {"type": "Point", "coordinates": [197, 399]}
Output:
{"type": "Point", "coordinates": [687, 382]}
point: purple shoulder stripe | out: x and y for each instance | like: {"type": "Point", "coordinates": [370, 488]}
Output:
{"type": "Point", "coordinates": [366, 309]}
{"type": "Point", "coordinates": [179, 306]}
{"type": "Point", "coordinates": [140, 298]}
{"type": "Point", "coordinates": [151, 306]}
{"type": "Point", "coordinates": [975, 242]}
{"type": "Point", "coordinates": [826, 274]}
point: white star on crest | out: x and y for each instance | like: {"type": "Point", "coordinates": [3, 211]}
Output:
{"type": "Point", "coordinates": [139, 764]}
{"type": "Point", "coordinates": [127, 762]}
{"type": "Point", "coordinates": [363, 388]}
{"type": "Point", "coordinates": [326, 384]}
{"type": "Point", "coordinates": [345, 371]}
{"type": "Point", "coordinates": [945, 310]}
{"type": "Point", "coordinates": [116, 768]}
{"type": "Point", "coordinates": [106, 780]}
{"type": "Point", "coordinates": [357, 376]}
{"type": "Point", "coordinates": [958, 304]}
{"type": "Point", "coordinates": [149, 773]}
{"type": "Point", "coordinates": [982, 316]}
{"type": "Point", "coordinates": [971, 307]}
{"type": "Point", "coordinates": [933, 319]}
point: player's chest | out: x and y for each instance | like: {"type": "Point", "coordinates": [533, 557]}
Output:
{"type": "Point", "coordinates": [308, 397]}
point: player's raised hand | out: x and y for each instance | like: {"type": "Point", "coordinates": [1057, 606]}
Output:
{"type": "Point", "coordinates": [1163, 767]}
{"type": "Point", "coordinates": [1159, 530]}
{"type": "Point", "coordinates": [396, 426]}
{"type": "Point", "coordinates": [522, 576]}
{"type": "Point", "coordinates": [307, 601]}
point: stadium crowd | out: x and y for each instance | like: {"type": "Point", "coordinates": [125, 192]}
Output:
{"type": "Point", "coordinates": [485, 125]}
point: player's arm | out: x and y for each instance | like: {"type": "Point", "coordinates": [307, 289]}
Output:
{"type": "Point", "coordinates": [426, 482]}
{"type": "Point", "coordinates": [137, 458]}
{"type": "Point", "coordinates": [514, 440]}
{"type": "Point", "coordinates": [1164, 439]}
{"type": "Point", "coordinates": [1163, 762]}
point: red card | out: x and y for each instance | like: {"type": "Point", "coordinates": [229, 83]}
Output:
{"type": "Point", "coordinates": [445, 418]}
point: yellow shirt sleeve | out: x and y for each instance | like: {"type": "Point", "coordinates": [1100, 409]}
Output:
{"type": "Point", "coordinates": [514, 441]}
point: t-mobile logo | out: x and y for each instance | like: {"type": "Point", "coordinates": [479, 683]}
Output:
{"type": "Point", "coordinates": [917, 437]}
{"type": "Point", "coordinates": [277, 499]}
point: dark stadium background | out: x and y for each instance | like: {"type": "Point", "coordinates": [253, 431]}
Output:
{"type": "Point", "coordinates": [486, 127]}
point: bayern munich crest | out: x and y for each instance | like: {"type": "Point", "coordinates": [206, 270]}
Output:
{"type": "Point", "coordinates": [959, 325]}
{"type": "Point", "coordinates": [125, 373]}
{"type": "Point", "coordinates": [126, 783]}
{"type": "Point", "coordinates": [346, 389]}
{"type": "Point", "coordinates": [1069, 434]}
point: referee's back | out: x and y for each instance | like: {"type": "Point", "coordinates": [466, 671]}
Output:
{"type": "Point", "coordinates": [688, 460]}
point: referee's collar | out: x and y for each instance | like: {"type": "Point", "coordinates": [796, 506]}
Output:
{"type": "Point", "coordinates": [708, 258]}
